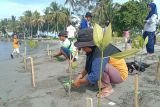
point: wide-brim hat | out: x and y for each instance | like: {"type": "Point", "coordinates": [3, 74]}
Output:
{"type": "Point", "coordinates": [64, 33]}
{"type": "Point", "coordinates": [85, 38]}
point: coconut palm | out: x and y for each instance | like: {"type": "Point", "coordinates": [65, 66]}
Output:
{"type": "Point", "coordinates": [71, 2]}
{"type": "Point", "coordinates": [103, 10]}
{"type": "Point", "coordinates": [48, 18]}
{"type": "Point", "coordinates": [37, 20]}
{"type": "Point", "coordinates": [13, 23]}
{"type": "Point", "coordinates": [28, 16]}
{"type": "Point", "coordinates": [58, 16]}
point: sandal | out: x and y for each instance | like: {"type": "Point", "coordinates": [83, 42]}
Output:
{"type": "Point", "coordinates": [105, 94]}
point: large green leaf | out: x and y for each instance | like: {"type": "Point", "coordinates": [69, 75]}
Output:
{"type": "Point", "coordinates": [141, 41]}
{"type": "Point", "coordinates": [135, 44]}
{"type": "Point", "coordinates": [97, 35]}
{"type": "Point", "coordinates": [145, 41]}
{"type": "Point", "coordinates": [126, 53]}
{"type": "Point", "coordinates": [107, 37]}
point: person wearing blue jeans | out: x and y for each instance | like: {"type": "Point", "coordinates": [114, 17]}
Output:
{"type": "Point", "coordinates": [150, 27]}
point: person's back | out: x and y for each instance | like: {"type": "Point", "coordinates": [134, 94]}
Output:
{"type": "Point", "coordinates": [71, 31]}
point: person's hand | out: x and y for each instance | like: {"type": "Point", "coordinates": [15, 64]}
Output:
{"type": "Point", "coordinates": [76, 83]}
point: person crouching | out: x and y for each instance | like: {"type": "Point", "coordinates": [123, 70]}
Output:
{"type": "Point", "coordinates": [68, 50]}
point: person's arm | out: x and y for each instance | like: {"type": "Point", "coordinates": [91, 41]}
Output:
{"type": "Point", "coordinates": [152, 19]}
{"type": "Point", "coordinates": [80, 79]}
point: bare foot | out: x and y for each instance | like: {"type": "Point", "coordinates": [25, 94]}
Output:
{"type": "Point", "coordinates": [105, 93]}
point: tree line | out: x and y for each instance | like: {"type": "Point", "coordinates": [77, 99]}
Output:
{"type": "Point", "coordinates": [130, 15]}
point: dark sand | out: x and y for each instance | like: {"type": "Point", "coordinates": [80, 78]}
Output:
{"type": "Point", "coordinates": [16, 88]}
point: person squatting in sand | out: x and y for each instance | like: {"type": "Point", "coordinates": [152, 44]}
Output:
{"type": "Point", "coordinates": [114, 71]}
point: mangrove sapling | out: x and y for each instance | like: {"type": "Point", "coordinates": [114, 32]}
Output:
{"type": "Point", "coordinates": [25, 52]}
{"type": "Point", "coordinates": [101, 40]}
{"type": "Point", "coordinates": [32, 44]}
{"type": "Point", "coordinates": [139, 43]}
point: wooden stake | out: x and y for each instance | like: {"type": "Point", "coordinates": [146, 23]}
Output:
{"type": "Point", "coordinates": [48, 49]}
{"type": "Point", "coordinates": [158, 72]}
{"type": "Point", "coordinates": [89, 102]}
{"type": "Point", "coordinates": [25, 62]}
{"type": "Point", "coordinates": [33, 74]}
{"type": "Point", "coordinates": [136, 99]}
{"type": "Point", "coordinates": [70, 73]}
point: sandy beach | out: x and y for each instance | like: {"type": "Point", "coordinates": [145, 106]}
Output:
{"type": "Point", "coordinates": [16, 87]}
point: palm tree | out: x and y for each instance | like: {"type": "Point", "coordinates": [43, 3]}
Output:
{"type": "Point", "coordinates": [13, 19]}
{"type": "Point", "coordinates": [28, 16]}
{"type": "Point", "coordinates": [48, 18]}
{"type": "Point", "coordinates": [71, 2]}
{"type": "Point", "coordinates": [103, 10]}
{"type": "Point", "coordinates": [37, 20]}
{"type": "Point", "coordinates": [58, 16]}
{"type": "Point", "coordinates": [67, 15]}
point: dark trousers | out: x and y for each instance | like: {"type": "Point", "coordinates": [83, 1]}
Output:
{"type": "Point", "coordinates": [151, 41]}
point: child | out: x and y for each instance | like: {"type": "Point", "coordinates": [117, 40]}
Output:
{"type": "Point", "coordinates": [67, 47]}
{"type": "Point", "coordinates": [15, 46]}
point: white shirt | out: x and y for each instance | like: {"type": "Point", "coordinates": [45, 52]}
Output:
{"type": "Point", "coordinates": [150, 25]}
{"type": "Point", "coordinates": [71, 31]}
{"type": "Point", "coordinates": [68, 44]}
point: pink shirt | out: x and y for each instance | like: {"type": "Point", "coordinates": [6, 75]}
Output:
{"type": "Point", "coordinates": [126, 34]}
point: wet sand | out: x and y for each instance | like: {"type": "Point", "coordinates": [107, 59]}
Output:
{"type": "Point", "coordinates": [16, 88]}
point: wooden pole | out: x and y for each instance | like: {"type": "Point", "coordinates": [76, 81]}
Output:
{"type": "Point", "coordinates": [48, 49]}
{"type": "Point", "coordinates": [32, 73]}
{"type": "Point", "coordinates": [136, 99]}
{"type": "Point", "coordinates": [158, 73]}
{"type": "Point", "coordinates": [25, 62]}
{"type": "Point", "coordinates": [70, 72]}
{"type": "Point", "coordinates": [89, 102]}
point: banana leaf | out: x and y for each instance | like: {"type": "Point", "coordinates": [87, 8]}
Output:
{"type": "Point", "coordinates": [107, 37]}
{"type": "Point", "coordinates": [97, 35]}
{"type": "Point", "coordinates": [125, 54]}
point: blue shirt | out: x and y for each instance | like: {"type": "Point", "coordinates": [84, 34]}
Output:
{"type": "Point", "coordinates": [94, 74]}
{"type": "Point", "coordinates": [84, 24]}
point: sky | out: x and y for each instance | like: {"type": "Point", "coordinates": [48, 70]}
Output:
{"type": "Point", "coordinates": [17, 7]}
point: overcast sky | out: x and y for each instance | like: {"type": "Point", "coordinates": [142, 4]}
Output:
{"type": "Point", "coordinates": [17, 7]}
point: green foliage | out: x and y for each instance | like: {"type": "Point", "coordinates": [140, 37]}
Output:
{"type": "Point", "coordinates": [125, 54]}
{"type": "Point", "coordinates": [129, 15]}
{"type": "Point", "coordinates": [102, 38]}
{"type": "Point", "coordinates": [74, 65]}
{"type": "Point", "coordinates": [67, 83]}
{"type": "Point", "coordinates": [33, 44]}
{"type": "Point", "coordinates": [139, 42]}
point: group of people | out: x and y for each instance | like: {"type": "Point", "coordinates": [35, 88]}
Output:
{"type": "Point", "coordinates": [115, 71]}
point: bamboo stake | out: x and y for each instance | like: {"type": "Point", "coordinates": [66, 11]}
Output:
{"type": "Point", "coordinates": [158, 72]}
{"type": "Point", "coordinates": [70, 73]}
{"type": "Point", "coordinates": [89, 102]}
{"type": "Point", "coordinates": [48, 49]}
{"type": "Point", "coordinates": [25, 62]}
{"type": "Point", "coordinates": [136, 99]}
{"type": "Point", "coordinates": [32, 73]}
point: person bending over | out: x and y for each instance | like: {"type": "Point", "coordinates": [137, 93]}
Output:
{"type": "Point", "coordinates": [114, 71]}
